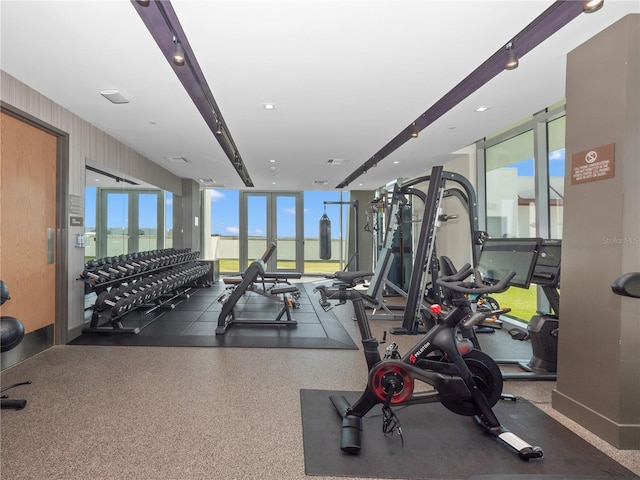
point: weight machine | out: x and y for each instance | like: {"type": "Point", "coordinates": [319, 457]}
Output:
{"type": "Point", "coordinates": [425, 258]}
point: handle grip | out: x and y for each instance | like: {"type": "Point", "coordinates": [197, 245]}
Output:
{"type": "Point", "coordinates": [454, 282]}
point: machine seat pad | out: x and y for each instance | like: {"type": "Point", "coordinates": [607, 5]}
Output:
{"type": "Point", "coordinates": [283, 289]}
{"type": "Point", "coordinates": [281, 275]}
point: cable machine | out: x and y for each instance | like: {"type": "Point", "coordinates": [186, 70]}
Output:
{"type": "Point", "coordinates": [424, 257]}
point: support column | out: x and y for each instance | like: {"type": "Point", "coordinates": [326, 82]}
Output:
{"type": "Point", "coordinates": [599, 343]}
{"type": "Point", "coordinates": [191, 221]}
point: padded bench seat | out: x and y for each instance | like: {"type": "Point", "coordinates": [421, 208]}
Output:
{"type": "Point", "coordinates": [283, 289]}
{"type": "Point", "coordinates": [282, 275]}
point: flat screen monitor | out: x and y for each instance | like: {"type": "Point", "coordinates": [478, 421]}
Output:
{"type": "Point", "coordinates": [501, 255]}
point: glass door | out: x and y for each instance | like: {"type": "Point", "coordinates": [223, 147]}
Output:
{"type": "Point", "coordinates": [268, 217]}
{"type": "Point", "coordinates": [115, 238]}
{"type": "Point", "coordinates": [149, 206]}
{"type": "Point", "coordinates": [128, 221]}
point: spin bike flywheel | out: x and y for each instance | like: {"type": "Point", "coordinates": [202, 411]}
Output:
{"type": "Point", "coordinates": [487, 376]}
{"type": "Point", "coordinates": [388, 374]}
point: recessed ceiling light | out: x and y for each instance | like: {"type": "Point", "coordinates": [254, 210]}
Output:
{"type": "Point", "coordinates": [269, 106]}
{"type": "Point", "coordinates": [272, 161]}
{"type": "Point", "coordinates": [395, 162]}
{"type": "Point", "coordinates": [482, 108]}
{"type": "Point", "coordinates": [273, 183]}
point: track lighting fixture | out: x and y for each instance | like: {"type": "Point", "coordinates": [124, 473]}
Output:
{"type": "Point", "coordinates": [178, 52]}
{"type": "Point", "coordinates": [162, 22]}
{"type": "Point", "coordinates": [591, 6]}
{"type": "Point", "coordinates": [512, 57]}
{"type": "Point", "coordinates": [414, 130]}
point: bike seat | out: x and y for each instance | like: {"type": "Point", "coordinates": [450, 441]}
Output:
{"type": "Point", "coordinates": [352, 278]}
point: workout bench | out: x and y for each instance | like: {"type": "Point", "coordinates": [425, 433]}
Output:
{"type": "Point", "coordinates": [273, 279]}
{"type": "Point", "coordinates": [247, 283]}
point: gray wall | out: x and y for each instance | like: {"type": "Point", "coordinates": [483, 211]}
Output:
{"type": "Point", "coordinates": [599, 343]}
{"type": "Point", "coordinates": [190, 221]}
{"type": "Point", "coordinates": [365, 239]}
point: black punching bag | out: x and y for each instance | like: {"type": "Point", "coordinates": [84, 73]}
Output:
{"type": "Point", "coordinates": [325, 237]}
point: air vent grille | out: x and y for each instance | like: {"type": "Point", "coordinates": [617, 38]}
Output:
{"type": "Point", "coordinates": [178, 159]}
{"type": "Point", "coordinates": [336, 161]}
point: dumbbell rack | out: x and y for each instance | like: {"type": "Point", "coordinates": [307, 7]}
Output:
{"type": "Point", "coordinates": [170, 274]}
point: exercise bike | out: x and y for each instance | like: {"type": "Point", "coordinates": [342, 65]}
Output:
{"type": "Point", "coordinates": [465, 380]}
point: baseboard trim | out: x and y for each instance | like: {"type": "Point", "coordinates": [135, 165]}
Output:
{"type": "Point", "coordinates": [622, 436]}
{"type": "Point", "coordinates": [32, 344]}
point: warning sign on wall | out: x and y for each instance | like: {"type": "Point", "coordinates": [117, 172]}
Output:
{"type": "Point", "coordinates": [592, 165]}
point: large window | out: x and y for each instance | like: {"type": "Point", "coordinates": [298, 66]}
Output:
{"type": "Point", "coordinates": [556, 137]}
{"type": "Point", "coordinates": [510, 182]}
{"type": "Point", "coordinates": [222, 222]}
{"type": "Point", "coordinates": [337, 209]}
{"type": "Point", "coordinates": [524, 190]}
{"type": "Point", "coordinates": [168, 219]}
{"type": "Point", "coordinates": [123, 221]}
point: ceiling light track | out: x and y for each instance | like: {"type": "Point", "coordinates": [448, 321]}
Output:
{"type": "Point", "coordinates": [559, 14]}
{"type": "Point", "coordinates": [162, 22]}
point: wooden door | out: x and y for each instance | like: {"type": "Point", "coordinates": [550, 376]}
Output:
{"type": "Point", "coordinates": [28, 222]}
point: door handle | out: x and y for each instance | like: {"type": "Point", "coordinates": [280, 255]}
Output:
{"type": "Point", "coordinates": [50, 245]}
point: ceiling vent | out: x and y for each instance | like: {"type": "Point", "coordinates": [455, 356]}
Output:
{"type": "Point", "coordinates": [114, 96]}
{"type": "Point", "coordinates": [321, 182]}
{"type": "Point", "coordinates": [178, 159]}
{"type": "Point", "coordinates": [336, 161]}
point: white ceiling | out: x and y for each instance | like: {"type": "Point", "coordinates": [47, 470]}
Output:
{"type": "Point", "coordinates": [345, 77]}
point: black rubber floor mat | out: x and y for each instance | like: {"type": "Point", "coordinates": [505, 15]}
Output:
{"type": "Point", "coordinates": [192, 323]}
{"type": "Point", "coordinates": [439, 444]}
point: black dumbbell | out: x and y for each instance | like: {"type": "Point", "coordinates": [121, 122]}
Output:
{"type": "Point", "coordinates": [119, 304]}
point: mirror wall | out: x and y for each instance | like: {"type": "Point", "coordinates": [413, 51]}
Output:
{"type": "Point", "coordinates": [124, 215]}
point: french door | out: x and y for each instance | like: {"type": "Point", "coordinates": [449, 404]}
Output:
{"type": "Point", "coordinates": [129, 221]}
{"type": "Point", "coordinates": [267, 217]}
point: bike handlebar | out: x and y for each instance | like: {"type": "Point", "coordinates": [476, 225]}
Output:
{"type": "Point", "coordinates": [476, 287]}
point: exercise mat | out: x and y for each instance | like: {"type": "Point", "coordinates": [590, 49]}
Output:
{"type": "Point", "coordinates": [192, 323]}
{"type": "Point", "coordinates": [439, 444]}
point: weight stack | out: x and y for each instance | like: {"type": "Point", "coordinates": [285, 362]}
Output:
{"type": "Point", "coordinates": [543, 332]}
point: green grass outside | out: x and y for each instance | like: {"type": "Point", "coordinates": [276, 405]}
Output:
{"type": "Point", "coordinates": [523, 303]}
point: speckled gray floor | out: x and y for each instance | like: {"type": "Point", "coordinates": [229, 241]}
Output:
{"type": "Point", "coordinates": [97, 412]}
